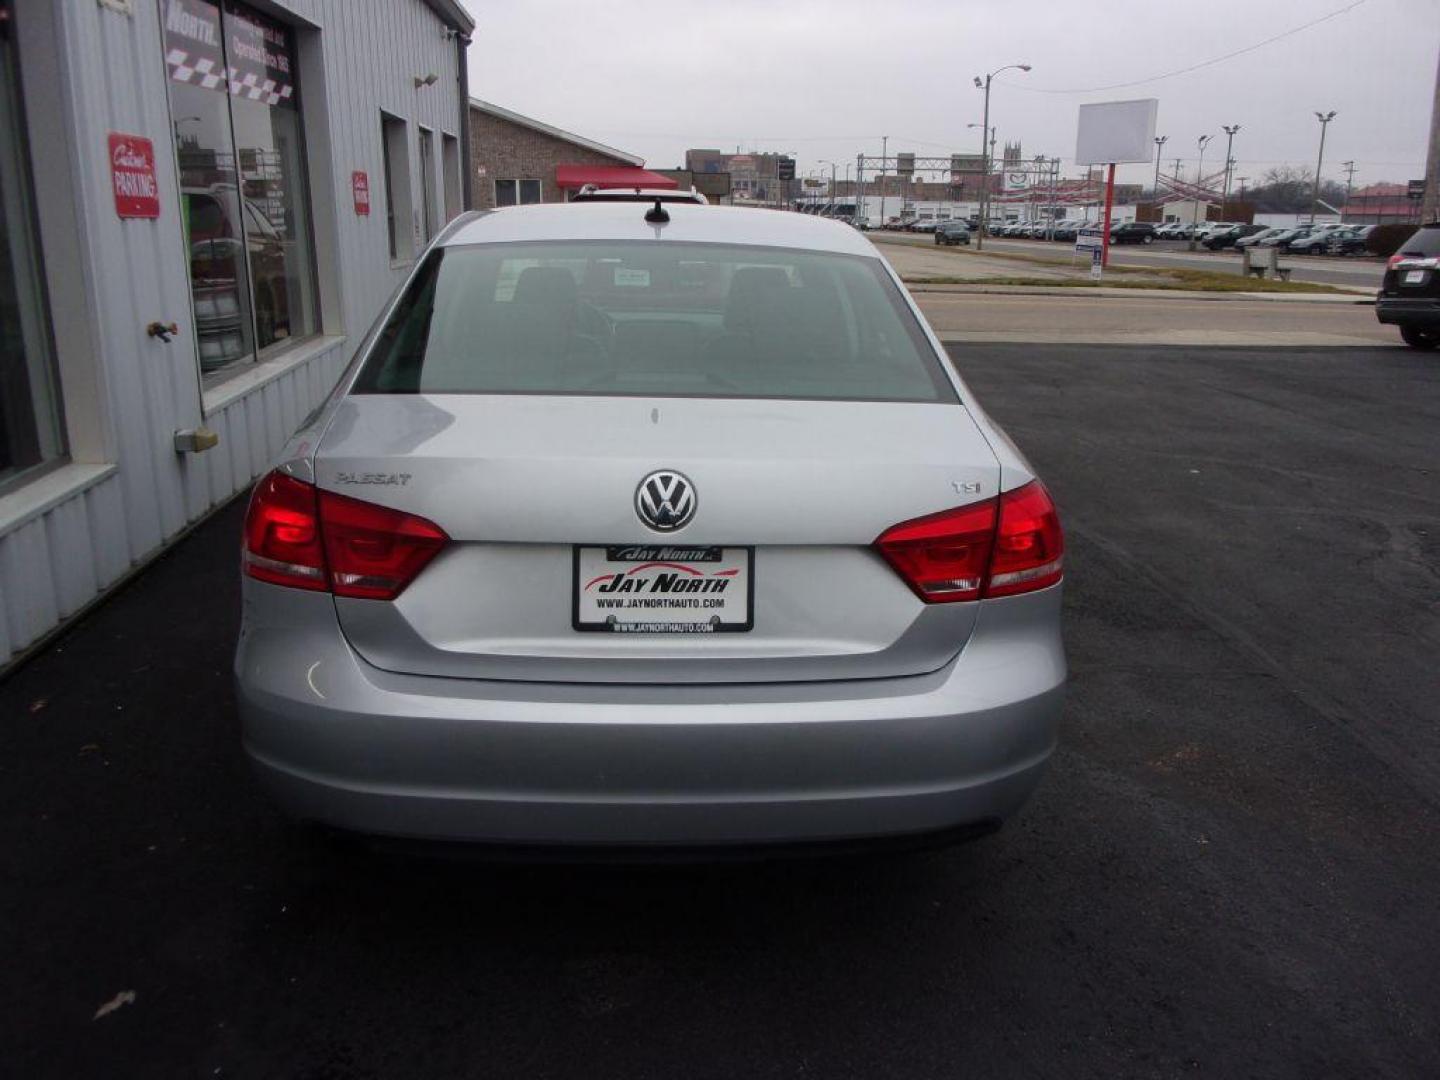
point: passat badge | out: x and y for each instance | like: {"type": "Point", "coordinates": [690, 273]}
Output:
{"type": "Point", "coordinates": [665, 501]}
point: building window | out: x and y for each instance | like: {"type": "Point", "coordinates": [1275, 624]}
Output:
{"type": "Point", "coordinates": [235, 109]}
{"type": "Point", "coordinates": [428, 200]}
{"type": "Point", "coordinates": [29, 409]}
{"type": "Point", "coordinates": [516, 192]}
{"type": "Point", "coordinates": [395, 146]}
{"type": "Point", "coordinates": [450, 167]}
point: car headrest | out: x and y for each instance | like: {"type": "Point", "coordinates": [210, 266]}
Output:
{"type": "Point", "coordinates": [552, 285]}
{"type": "Point", "coordinates": [755, 296]}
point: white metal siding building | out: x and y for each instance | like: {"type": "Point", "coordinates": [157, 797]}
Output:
{"type": "Point", "coordinates": [300, 154]}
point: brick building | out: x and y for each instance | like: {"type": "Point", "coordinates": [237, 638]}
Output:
{"type": "Point", "coordinates": [515, 159]}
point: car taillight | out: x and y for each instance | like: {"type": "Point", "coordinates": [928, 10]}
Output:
{"type": "Point", "coordinates": [1395, 260]}
{"type": "Point", "coordinates": [999, 547]}
{"type": "Point", "coordinates": [309, 539]}
{"type": "Point", "coordinates": [282, 534]}
{"type": "Point", "coordinates": [943, 557]}
{"type": "Point", "coordinates": [374, 551]}
{"type": "Point", "coordinates": [1029, 546]}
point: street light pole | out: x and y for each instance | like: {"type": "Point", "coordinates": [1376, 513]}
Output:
{"type": "Point", "coordinates": [985, 134]}
{"type": "Point", "coordinates": [1230, 130]}
{"type": "Point", "coordinates": [1199, 179]}
{"type": "Point", "coordinates": [1324, 119]}
{"type": "Point", "coordinates": [1160, 141]}
{"type": "Point", "coordinates": [987, 153]}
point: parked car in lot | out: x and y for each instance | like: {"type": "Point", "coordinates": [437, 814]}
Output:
{"type": "Point", "coordinates": [925, 226]}
{"type": "Point", "coordinates": [1279, 238]}
{"type": "Point", "coordinates": [952, 232]}
{"type": "Point", "coordinates": [1067, 230]}
{"type": "Point", "coordinates": [1315, 241]}
{"type": "Point", "coordinates": [1218, 241]}
{"type": "Point", "coordinates": [1171, 230]}
{"type": "Point", "coordinates": [595, 193]}
{"type": "Point", "coordinates": [1132, 232]}
{"type": "Point", "coordinates": [514, 584]}
{"type": "Point", "coordinates": [1410, 292]}
{"type": "Point", "coordinates": [1351, 241]}
{"type": "Point", "coordinates": [1255, 238]}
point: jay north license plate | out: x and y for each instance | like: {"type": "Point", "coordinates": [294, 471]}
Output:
{"type": "Point", "coordinates": [663, 589]}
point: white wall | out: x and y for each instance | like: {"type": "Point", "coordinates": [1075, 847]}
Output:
{"type": "Point", "coordinates": [88, 70]}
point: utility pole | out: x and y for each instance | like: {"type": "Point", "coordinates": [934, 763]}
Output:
{"type": "Point", "coordinates": [884, 168]}
{"type": "Point", "coordinates": [1349, 183]}
{"type": "Point", "coordinates": [832, 184]}
{"type": "Point", "coordinates": [1199, 182]}
{"type": "Point", "coordinates": [984, 127]}
{"type": "Point", "coordinates": [1324, 119]}
{"type": "Point", "coordinates": [1230, 130]}
{"type": "Point", "coordinates": [860, 214]}
{"type": "Point", "coordinates": [1160, 141]}
{"type": "Point", "coordinates": [1430, 201]}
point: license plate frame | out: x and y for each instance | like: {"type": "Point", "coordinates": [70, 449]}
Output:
{"type": "Point", "coordinates": [685, 562]}
{"type": "Point", "coordinates": [1414, 277]}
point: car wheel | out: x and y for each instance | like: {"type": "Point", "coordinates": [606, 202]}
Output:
{"type": "Point", "coordinates": [1147, 239]}
{"type": "Point", "coordinates": [1417, 338]}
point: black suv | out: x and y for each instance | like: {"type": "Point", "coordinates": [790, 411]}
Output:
{"type": "Point", "coordinates": [952, 232]}
{"type": "Point", "coordinates": [1410, 294]}
{"type": "Point", "coordinates": [1132, 232]}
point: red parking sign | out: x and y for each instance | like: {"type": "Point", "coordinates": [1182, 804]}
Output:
{"type": "Point", "coordinates": [360, 186]}
{"type": "Point", "coordinates": [132, 175]}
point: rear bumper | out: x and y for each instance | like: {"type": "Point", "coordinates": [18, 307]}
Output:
{"type": "Point", "coordinates": [343, 743]}
{"type": "Point", "coordinates": [1417, 311]}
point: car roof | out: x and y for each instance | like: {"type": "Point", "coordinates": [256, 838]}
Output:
{"type": "Point", "coordinates": [688, 222]}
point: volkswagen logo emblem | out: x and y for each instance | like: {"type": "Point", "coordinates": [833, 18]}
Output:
{"type": "Point", "coordinates": [665, 501]}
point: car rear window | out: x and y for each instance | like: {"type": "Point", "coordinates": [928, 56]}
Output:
{"type": "Point", "coordinates": [648, 319]}
{"type": "Point", "coordinates": [1423, 242]}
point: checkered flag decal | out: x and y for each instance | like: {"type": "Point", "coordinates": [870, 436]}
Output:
{"type": "Point", "coordinates": [202, 71]}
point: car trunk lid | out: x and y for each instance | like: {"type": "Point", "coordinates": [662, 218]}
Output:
{"type": "Point", "coordinates": [517, 481]}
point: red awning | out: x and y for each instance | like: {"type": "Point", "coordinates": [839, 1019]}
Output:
{"type": "Point", "coordinates": [610, 176]}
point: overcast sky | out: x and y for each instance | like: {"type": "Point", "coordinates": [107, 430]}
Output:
{"type": "Point", "coordinates": [828, 79]}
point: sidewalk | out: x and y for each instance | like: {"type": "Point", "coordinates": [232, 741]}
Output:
{"type": "Point", "coordinates": [1070, 316]}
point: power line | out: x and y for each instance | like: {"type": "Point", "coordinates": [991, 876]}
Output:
{"type": "Point", "coordinates": [1193, 67]}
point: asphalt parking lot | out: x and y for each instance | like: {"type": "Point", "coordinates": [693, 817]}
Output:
{"type": "Point", "coordinates": [1232, 868]}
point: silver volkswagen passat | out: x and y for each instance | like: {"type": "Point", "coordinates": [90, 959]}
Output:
{"type": "Point", "coordinates": [651, 526]}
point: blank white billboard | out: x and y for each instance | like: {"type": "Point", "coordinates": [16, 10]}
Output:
{"type": "Point", "coordinates": [1111, 132]}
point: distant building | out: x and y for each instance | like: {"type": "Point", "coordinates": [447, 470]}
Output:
{"type": "Point", "coordinates": [516, 159]}
{"type": "Point", "coordinates": [755, 179]}
{"type": "Point", "coordinates": [1377, 204]}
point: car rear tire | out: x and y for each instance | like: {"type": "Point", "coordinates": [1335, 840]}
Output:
{"type": "Point", "coordinates": [1417, 338]}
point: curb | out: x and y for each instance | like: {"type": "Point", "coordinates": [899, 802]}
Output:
{"type": "Point", "coordinates": [1167, 339]}
{"type": "Point", "coordinates": [1103, 293]}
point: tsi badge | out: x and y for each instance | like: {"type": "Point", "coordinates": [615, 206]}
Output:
{"type": "Point", "coordinates": [665, 501]}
